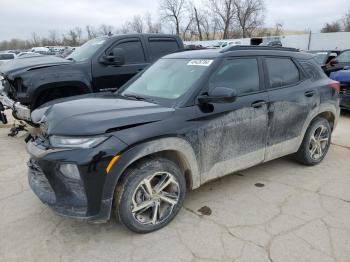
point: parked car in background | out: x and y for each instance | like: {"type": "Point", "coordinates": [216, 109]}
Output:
{"type": "Point", "coordinates": [343, 77]}
{"type": "Point", "coordinates": [324, 57]}
{"type": "Point", "coordinates": [273, 43]}
{"type": "Point", "coordinates": [5, 57]}
{"type": "Point", "coordinates": [27, 54]}
{"type": "Point", "coordinates": [338, 63]}
{"type": "Point", "coordinates": [189, 118]}
{"type": "Point", "coordinates": [100, 65]}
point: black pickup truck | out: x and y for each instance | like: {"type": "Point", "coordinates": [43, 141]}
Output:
{"type": "Point", "coordinates": [100, 65]}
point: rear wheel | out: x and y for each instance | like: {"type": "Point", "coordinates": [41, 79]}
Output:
{"type": "Point", "coordinates": [151, 195]}
{"type": "Point", "coordinates": [316, 143]}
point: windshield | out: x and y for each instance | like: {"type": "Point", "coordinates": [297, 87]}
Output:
{"type": "Point", "coordinates": [167, 78]}
{"type": "Point", "coordinates": [87, 50]}
{"type": "Point", "coordinates": [344, 57]}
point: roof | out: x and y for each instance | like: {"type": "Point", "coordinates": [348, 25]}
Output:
{"type": "Point", "coordinates": [240, 51]}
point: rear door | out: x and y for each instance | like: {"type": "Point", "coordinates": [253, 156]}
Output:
{"type": "Point", "coordinates": [112, 77]}
{"type": "Point", "coordinates": [161, 46]}
{"type": "Point", "coordinates": [292, 98]}
{"type": "Point", "coordinates": [232, 136]}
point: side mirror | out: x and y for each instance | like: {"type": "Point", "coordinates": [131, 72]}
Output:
{"type": "Point", "coordinates": [219, 95]}
{"type": "Point", "coordinates": [116, 57]}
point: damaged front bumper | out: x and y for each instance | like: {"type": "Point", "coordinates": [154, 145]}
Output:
{"type": "Point", "coordinates": [20, 111]}
{"type": "Point", "coordinates": [87, 196]}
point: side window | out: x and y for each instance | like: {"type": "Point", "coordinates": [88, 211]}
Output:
{"type": "Point", "coordinates": [313, 70]}
{"type": "Point", "coordinates": [282, 72]}
{"type": "Point", "coordinates": [162, 46]}
{"type": "Point", "coordinates": [344, 57]}
{"type": "Point", "coordinates": [133, 52]}
{"type": "Point", "coordinates": [239, 74]}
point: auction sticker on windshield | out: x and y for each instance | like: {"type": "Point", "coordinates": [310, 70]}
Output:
{"type": "Point", "coordinates": [200, 62]}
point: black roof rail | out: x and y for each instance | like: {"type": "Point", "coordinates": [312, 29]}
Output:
{"type": "Point", "coordinates": [257, 47]}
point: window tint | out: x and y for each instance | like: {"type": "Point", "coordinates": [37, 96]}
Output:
{"type": "Point", "coordinates": [162, 46]}
{"type": "Point", "coordinates": [133, 52]}
{"type": "Point", "coordinates": [313, 69]}
{"type": "Point", "coordinates": [282, 72]}
{"type": "Point", "coordinates": [239, 74]}
{"type": "Point", "coordinates": [344, 57]}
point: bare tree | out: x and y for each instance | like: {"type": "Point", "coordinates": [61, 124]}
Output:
{"type": "Point", "coordinates": [91, 33]}
{"type": "Point", "coordinates": [198, 20]}
{"type": "Point", "coordinates": [106, 29]}
{"type": "Point", "coordinates": [278, 29]}
{"type": "Point", "coordinates": [172, 10]}
{"type": "Point", "coordinates": [35, 39]}
{"type": "Point", "coordinates": [225, 12]}
{"type": "Point", "coordinates": [137, 24]}
{"type": "Point", "coordinates": [346, 22]}
{"type": "Point", "coordinates": [53, 38]}
{"type": "Point", "coordinates": [249, 15]}
{"type": "Point", "coordinates": [152, 27]}
{"type": "Point", "coordinates": [331, 27]}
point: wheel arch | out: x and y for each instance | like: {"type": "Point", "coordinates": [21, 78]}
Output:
{"type": "Point", "coordinates": [78, 86]}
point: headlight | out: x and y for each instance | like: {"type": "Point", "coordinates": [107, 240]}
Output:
{"type": "Point", "coordinates": [76, 142]}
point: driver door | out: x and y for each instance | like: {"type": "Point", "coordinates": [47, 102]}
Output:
{"type": "Point", "coordinates": [111, 77]}
{"type": "Point", "coordinates": [232, 136]}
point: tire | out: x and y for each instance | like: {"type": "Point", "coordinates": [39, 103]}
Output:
{"type": "Point", "coordinates": [310, 152]}
{"type": "Point", "coordinates": [133, 194]}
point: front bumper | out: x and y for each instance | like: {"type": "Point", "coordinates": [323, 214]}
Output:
{"type": "Point", "coordinates": [88, 198]}
{"type": "Point", "coordinates": [20, 111]}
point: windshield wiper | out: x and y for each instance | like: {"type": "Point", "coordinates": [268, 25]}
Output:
{"type": "Point", "coordinates": [71, 59]}
{"type": "Point", "coordinates": [140, 98]}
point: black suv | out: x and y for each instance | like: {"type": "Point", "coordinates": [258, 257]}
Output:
{"type": "Point", "coordinates": [189, 118]}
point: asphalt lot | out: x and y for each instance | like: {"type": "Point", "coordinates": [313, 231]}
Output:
{"type": "Point", "coordinates": [278, 211]}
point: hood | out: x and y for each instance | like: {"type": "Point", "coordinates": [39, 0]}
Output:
{"type": "Point", "coordinates": [24, 64]}
{"type": "Point", "coordinates": [342, 76]}
{"type": "Point", "coordinates": [95, 114]}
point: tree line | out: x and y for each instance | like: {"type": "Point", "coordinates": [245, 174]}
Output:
{"type": "Point", "coordinates": [340, 25]}
{"type": "Point", "coordinates": [209, 20]}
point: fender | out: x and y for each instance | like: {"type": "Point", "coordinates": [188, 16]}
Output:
{"type": "Point", "coordinates": [133, 154]}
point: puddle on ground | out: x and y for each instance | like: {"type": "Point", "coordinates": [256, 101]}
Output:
{"type": "Point", "coordinates": [259, 185]}
{"type": "Point", "coordinates": [205, 211]}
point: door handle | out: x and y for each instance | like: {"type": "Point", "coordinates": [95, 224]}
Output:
{"type": "Point", "coordinates": [310, 93]}
{"type": "Point", "coordinates": [259, 104]}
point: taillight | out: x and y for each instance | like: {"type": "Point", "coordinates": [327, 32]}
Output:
{"type": "Point", "coordinates": [335, 86]}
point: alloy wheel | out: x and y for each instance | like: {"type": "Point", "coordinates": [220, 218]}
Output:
{"type": "Point", "coordinates": [154, 199]}
{"type": "Point", "coordinates": [319, 142]}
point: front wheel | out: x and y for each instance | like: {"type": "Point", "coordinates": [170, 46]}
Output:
{"type": "Point", "coordinates": [316, 143]}
{"type": "Point", "coordinates": [151, 195]}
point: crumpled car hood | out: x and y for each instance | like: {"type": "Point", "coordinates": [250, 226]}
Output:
{"type": "Point", "coordinates": [17, 66]}
{"type": "Point", "coordinates": [95, 114]}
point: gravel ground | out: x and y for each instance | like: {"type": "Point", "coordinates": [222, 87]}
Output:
{"type": "Point", "coordinates": [278, 211]}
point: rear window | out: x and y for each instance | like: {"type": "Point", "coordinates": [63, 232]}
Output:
{"type": "Point", "coordinates": [282, 72]}
{"type": "Point", "coordinates": [162, 46]}
{"type": "Point", "coordinates": [7, 56]}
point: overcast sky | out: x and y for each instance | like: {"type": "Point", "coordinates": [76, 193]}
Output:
{"type": "Point", "coordinates": [18, 18]}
